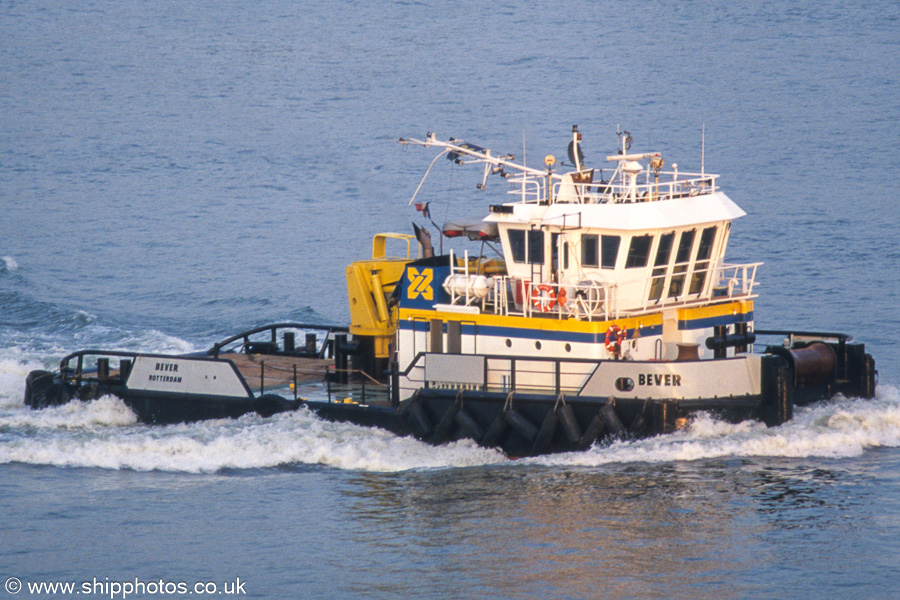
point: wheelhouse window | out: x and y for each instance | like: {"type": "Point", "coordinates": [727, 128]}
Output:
{"type": "Point", "coordinates": [639, 251]}
{"type": "Point", "coordinates": [664, 250]}
{"type": "Point", "coordinates": [682, 258]}
{"type": "Point", "coordinates": [517, 244]}
{"type": "Point", "coordinates": [701, 263]}
{"type": "Point", "coordinates": [704, 250]}
{"type": "Point", "coordinates": [610, 250]}
{"type": "Point", "coordinates": [684, 246]}
{"type": "Point", "coordinates": [599, 250]}
{"type": "Point", "coordinates": [663, 254]}
{"type": "Point", "coordinates": [590, 250]}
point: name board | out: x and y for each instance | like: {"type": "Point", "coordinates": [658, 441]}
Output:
{"type": "Point", "coordinates": [186, 376]}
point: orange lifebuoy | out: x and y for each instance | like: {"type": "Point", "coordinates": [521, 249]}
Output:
{"type": "Point", "coordinates": [615, 335]}
{"type": "Point", "coordinates": [544, 303]}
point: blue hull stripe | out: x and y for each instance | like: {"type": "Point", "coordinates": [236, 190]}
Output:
{"type": "Point", "coordinates": [569, 336]}
{"type": "Point", "coordinates": [713, 321]}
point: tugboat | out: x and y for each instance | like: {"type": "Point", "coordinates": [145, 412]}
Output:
{"type": "Point", "coordinates": [608, 311]}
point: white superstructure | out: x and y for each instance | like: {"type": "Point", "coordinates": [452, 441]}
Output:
{"type": "Point", "coordinates": [626, 268]}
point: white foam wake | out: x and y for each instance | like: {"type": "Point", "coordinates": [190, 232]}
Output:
{"type": "Point", "coordinates": [17, 360]}
{"type": "Point", "coordinates": [14, 367]}
{"type": "Point", "coordinates": [107, 411]}
{"type": "Point", "coordinates": [834, 429]}
{"type": "Point", "coordinates": [104, 434]}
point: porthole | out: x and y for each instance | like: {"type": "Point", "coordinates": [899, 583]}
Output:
{"type": "Point", "coordinates": [509, 343]}
{"type": "Point", "coordinates": [568, 347]}
{"type": "Point", "coordinates": [537, 345]}
{"type": "Point", "coordinates": [624, 384]}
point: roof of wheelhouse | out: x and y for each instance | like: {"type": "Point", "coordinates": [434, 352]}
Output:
{"type": "Point", "coordinates": [573, 200]}
{"type": "Point", "coordinates": [681, 212]}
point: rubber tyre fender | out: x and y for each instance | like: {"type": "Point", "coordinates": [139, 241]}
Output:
{"type": "Point", "coordinates": [569, 423]}
{"type": "Point", "coordinates": [611, 419]}
{"type": "Point", "coordinates": [595, 430]}
{"type": "Point", "coordinates": [419, 421]}
{"type": "Point", "coordinates": [55, 394]}
{"type": "Point", "coordinates": [36, 384]}
{"type": "Point", "coordinates": [495, 432]}
{"type": "Point", "coordinates": [445, 426]}
{"type": "Point", "coordinates": [545, 433]}
{"type": "Point", "coordinates": [469, 426]}
{"type": "Point", "coordinates": [521, 424]}
{"type": "Point", "coordinates": [271, 404]}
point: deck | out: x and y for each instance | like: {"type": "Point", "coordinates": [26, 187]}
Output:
{"type": "Point", "coordinates": [272, 371]}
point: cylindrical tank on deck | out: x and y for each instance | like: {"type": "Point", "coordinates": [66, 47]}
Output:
{"type": "Point", "coordinates": [477, 286]}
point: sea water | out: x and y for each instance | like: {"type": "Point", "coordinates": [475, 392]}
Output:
{"type": "Point", "coordinates": [172, 173]}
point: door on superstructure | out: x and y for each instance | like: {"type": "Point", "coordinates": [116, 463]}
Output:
{"type": "Point", "coordinates": [536, 254]}
{"type": "Point", "coordinates": [560, 256]}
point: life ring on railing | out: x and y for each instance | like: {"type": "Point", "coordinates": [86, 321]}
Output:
{"type": "Point", "coordinates": [615, 335]}
{"type": "Point", "coordinates": [543, 297]}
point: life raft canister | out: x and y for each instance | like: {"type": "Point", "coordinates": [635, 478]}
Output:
{"type": "Point", "coordinates": [615, 335]}
{"type": "Point", "coordinates": [545, 298]}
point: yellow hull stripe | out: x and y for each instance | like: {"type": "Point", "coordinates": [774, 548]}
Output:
{"type": "Point", "coordinates": [652, 320]}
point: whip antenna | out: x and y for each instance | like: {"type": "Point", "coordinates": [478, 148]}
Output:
{"type": "Point", "coordinates": [703, 152]}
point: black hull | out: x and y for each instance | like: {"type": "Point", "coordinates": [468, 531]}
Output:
{"type": "Point", "coordinates": [527, 424]}
{"type": "Point", "coordinates": [519, 424]}
{"type": "Point", "coordinates": [153, 409]}
{"type": "Point", "coordinates": [165, 410]}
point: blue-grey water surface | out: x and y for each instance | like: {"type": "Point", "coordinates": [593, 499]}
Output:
{"type": "Point", "coordinates": [173, 172]}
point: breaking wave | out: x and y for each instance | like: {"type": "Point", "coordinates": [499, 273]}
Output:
{"type": "Point", "coordinates": [837, 428]}
{"type": "Point", "coordinates": [104, 434]}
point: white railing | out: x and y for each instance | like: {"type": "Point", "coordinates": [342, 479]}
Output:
{"type": "Point", "coordinates": [698, 285]}
{"type": "Point", "coordinates": [593, 300]}
{"type": "Point", "coordinates": [528, 188]}
{"type": "Point", "coordinates": [531, 189]}
{"type": "Point", "coordinates": [520, 297]}
{"type": "Point", "coordinates": [736, 280]}
{"type": "Point", "coordinates": [693, 184]}
{"type": "Point", "coordinates": [504, 374]}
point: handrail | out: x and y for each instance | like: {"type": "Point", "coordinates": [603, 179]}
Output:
{"type": "Point", "coordinates": [529, 188]}
{"type": "Point", "coordinates": [78, 370]}
{"type": "Point", "coordinates": [587, 361]}
{"type": "Point", "coordinates": [273, 327]}
{"type": "Point", "coordinates": [524, 365]}
{"type": "Point", "coordinates": [609, 191]}
{"type": "Point", "coordinates": [379, 245]}
{"type": "Point", "coordinates": [605, 300]}
{"type": "Point", "coordinates": [80, 354]}
{"type": "Point", "coordinates": [843, 337]}
{"type": "Point", "coordinates": [362, 382]}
